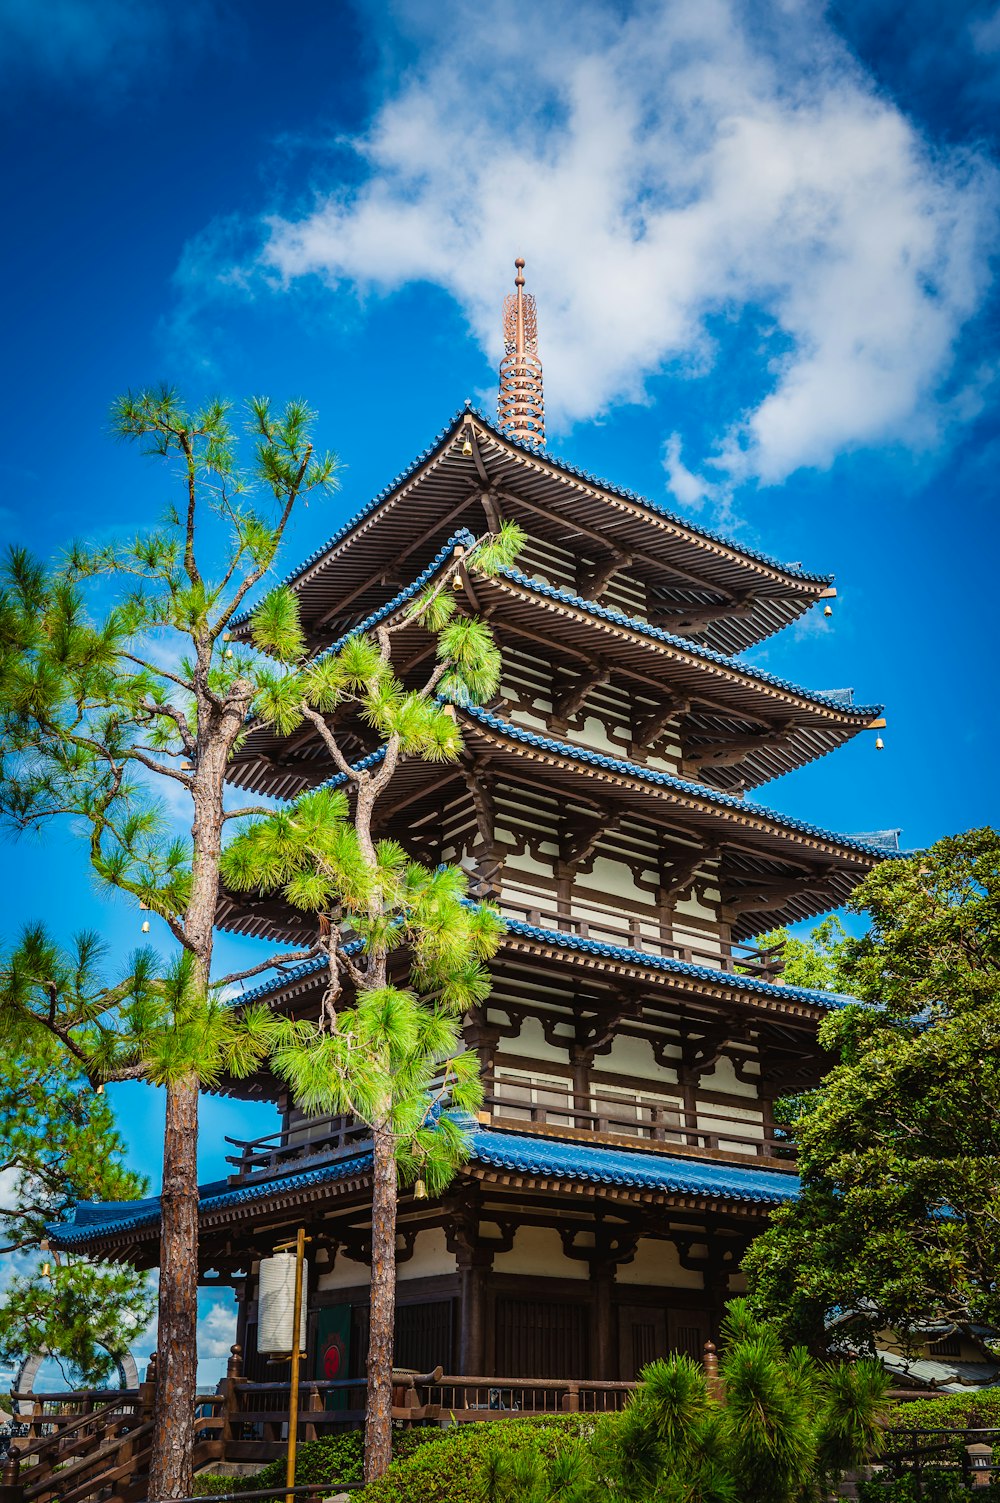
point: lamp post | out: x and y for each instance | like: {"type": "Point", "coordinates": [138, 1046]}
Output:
{"type": "Point", "coordinates": [299, 1246]}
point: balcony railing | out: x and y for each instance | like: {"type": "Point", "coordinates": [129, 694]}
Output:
{"type": "Point", "coordinates": [650, 1120]}
{"type": "Point", "coordinates": [631, 931]}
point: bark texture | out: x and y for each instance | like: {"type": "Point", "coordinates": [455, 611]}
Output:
{"type": "Point", "coordinates": [177, 1357]}
{"type": "Point", "coordinates": [378, 1417]}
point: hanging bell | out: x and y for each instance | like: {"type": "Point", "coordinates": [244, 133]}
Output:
{"type": "Point", "coordinates": [229, 652]}
{"type": "Point", "coordinates": [879, 744]}
{"type": "Point", "coordinates": [99, 1088]}
{"type": "Point", "coordinates": [145, 926]}
{"type": "Point", "coordinates": [419, 1190]}
{"type": "Point", "coordinates": [828, 610]}
{"type": "Point", "coordinates": [46, 1269]}
{"type": "Point", "coordinates": [467, 447]}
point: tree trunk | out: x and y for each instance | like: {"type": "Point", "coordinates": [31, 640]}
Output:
{"type": "Point", "coordinates": [177, 1356]}
{"type": "Point", "coordinates": [378, 1414]}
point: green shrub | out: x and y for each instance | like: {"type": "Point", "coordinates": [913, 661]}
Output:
{"type": "Point", "coordinates": [455, 1464]}
{"type": "Point", "coordinates": [958, 1411]}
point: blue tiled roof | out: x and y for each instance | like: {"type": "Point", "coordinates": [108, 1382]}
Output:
{"type": "Point", "coordinates": [660, 779]}
{"type": "Point", "coordinates": [870, 847]}
{"type": "Point", "coordinates": [566, 941]}
{"type": "Point", "coordinates": [838, 698]}
{"type": "Point", "coordinates": [611, 1166]}
{"type": "Point", "coordinates": [563, 940]}
{"type": "Point", "coordinates": [841, 698]}
{"type": "Point", "coordinates": [518, 1154]}
{"type": "Point", "coordinates": [568, 469]}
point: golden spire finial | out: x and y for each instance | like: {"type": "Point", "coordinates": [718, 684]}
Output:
{"type": "Point", "coordinates": [521, 404]}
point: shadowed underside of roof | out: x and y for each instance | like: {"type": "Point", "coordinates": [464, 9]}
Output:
{"type": "Point", "coordinates": [787, 724]}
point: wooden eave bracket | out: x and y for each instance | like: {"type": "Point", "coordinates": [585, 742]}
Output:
{"type": "Point", "coordinates": [696, 618]}
{"type": "Point", "coordinates": [593, 581]}
{"type": "Point", "coordinates": [651, 728]}
{"type": "Point", "coordinates": [731, 753]}
{"type": "Point", "coordinates": [573, 699]}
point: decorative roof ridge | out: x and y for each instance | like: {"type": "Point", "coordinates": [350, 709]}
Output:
{"type": "Point", "coordinates": [596, 1163]}
{"type": "Point", "coordinates": [660, 779]}
{"type": "Point", "coordinates": [564, 940]}
{"type": "Point", "coordinates": [831, 697]}
{"type": "Point", "coordinates": [569, 469]}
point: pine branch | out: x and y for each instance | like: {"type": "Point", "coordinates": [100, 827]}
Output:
{"type": "Point", "coordinates": [291, 957]}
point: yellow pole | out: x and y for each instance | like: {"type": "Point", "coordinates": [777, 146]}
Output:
{"type": "Point", "coordinates": [293, 1397]}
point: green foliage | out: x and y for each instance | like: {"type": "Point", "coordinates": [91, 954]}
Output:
{"type": "Point", "coordinates": [84, 1314]}
{"type": "Point", "coordinates": [898, 1222]}
{"type": "Point", "coordinates": [814, 962]}
{"type": "Point", "coordinates": [788, 1426]}
{"type": "Point", "coordinates": [461, 1464]}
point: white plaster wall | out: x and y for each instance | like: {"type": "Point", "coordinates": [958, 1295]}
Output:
{"type": "Point", "coordinates": [524, 861]}
{"type": "Point", "coordinates": [538, 1251]}
{"type": "Point", "coordinates": [344, 1274]}
{"type": "Point", "coordinates": [531, 1041]}
{"type": "Point", "coordinates": [430, 1257]}
{"type": "Point", "coordinates": [658, 1263]}
{"type": "Point", "coordinates": [724, 1078]}
{"type": "Point", "coordinates": [613, 879]}
{"type": "Point", "coordinates": [633, 1057]}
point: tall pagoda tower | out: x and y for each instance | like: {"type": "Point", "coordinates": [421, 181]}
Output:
{"type": "Point", "coordinates": [607, 800]}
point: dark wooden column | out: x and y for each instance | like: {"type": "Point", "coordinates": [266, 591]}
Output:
{"type": "Point", "coordinates": [474, 1257]}
{"type": "Point", "coordinates": [473, 1268]}
{"type": "Point", "coordinates": [603, 1345]}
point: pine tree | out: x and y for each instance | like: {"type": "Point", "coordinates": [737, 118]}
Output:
{"type": "Point", "coordinates": [116, 674]}
{"type": "Point", "coordinates": [118, 669]}
{"type": "Point", "coordinates": [401, 941]}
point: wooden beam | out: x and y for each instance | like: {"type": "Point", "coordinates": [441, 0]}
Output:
{"type": "Point", "coordinates": [761, 897]}
{"type": "Point", "coordinates": [570, 524]}
{"type": "Point", "coordinates": [592, 582]}
{"type": "Point", "coordinates": [698, 617]}
{"type": "Point", "coordinates": [676, 878]}
{"type": "Point", "coordinates": [430, 532]}
{"type": "Point", "coordinates": [651, 727]}
{"type": "Point", "coordinates": [730, 753]}
{"type": "Point", "coordinates": [573, 699]}
{"type": "Point", "coordinates": [579, 846]}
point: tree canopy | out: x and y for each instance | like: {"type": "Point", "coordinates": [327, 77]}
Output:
{"type": "Point", "coordinates": [898, 1221]}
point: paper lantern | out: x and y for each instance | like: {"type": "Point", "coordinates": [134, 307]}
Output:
{"type": "Point", "coordinates": [276, 1305]}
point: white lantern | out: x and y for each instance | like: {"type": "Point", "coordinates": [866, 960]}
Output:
{"type": "Point", "coordinates": [276, 1305]}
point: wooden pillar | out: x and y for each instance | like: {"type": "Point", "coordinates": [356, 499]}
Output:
{"type": "Point", "coordinates": [581, 1060]}
{"type": "Point", "coordinates": [473, 1266]}
{"type": "Point", "coordinates": [603, 1347]}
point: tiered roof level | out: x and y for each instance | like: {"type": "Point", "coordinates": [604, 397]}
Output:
{"type": "Point", "coordinates": [634, 1041]}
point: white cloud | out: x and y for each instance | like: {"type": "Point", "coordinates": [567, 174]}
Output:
{"type": "Point", "coordinates": [694, 159]}
{"type": "Point", "coordinates": [687, 488]}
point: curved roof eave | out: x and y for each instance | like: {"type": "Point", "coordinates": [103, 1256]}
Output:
{"type": "Point", "coordinates": [699, 535]}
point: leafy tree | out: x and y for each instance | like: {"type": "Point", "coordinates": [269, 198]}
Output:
{"type": "Point", "coordinates": [898, 1221]}
{"type": "Point", "coordinates": [393, 1057]}
{"type": "Point", "coordinates": [118, 670]}
{"type": "Point", "coordinates": [59, 1145]}
{"type": "Point", "coordinates": [813, 962]}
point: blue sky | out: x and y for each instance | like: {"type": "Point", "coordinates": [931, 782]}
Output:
{"type": "Point", "coordinates": [761, 238]}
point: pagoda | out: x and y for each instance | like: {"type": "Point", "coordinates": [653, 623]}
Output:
{"type": "Point", "coordinates": [606, 800]}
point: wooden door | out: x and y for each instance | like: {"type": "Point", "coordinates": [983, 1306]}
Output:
{"type": "Point", "coordinates": [642, 1337]}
